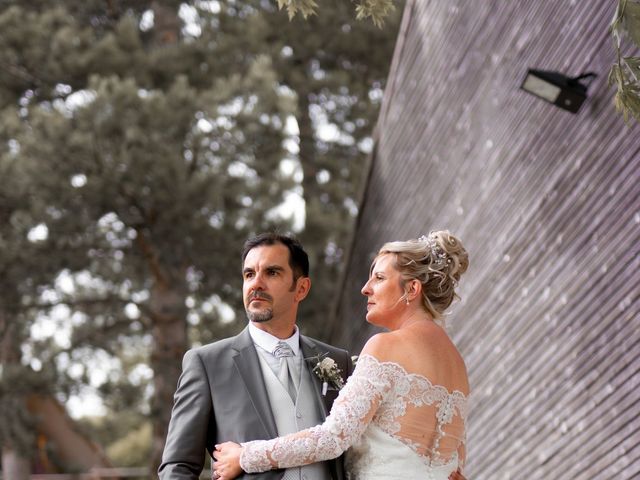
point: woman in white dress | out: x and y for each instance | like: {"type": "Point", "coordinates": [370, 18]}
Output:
{"type": "Point", "coordinates": [402, 412]}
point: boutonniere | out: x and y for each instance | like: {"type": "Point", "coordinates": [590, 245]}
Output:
{"type": "Point", "coordinates": [326, 369]}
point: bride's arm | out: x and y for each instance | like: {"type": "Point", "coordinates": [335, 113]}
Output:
{"type": "Point", "coordinates": [462, 454]}
{"type": "Point", "coordinates": [351, 413]}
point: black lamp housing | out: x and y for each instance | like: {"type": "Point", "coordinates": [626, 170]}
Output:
{"type": "Point", "coordinates": [565, 92]}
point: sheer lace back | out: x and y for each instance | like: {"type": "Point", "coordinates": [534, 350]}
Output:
{"type": "Point", "coordinates": [427, 418]}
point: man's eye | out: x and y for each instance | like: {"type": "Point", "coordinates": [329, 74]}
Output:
{"type": "Point", "coordinates": [248, 275]}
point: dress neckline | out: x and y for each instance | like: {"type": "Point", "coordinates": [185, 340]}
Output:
{"type": "Point", "coordinates": [456, 392]}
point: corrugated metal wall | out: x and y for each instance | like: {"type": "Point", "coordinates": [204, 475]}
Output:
{"type": "Point", "coordinates": [548, 205]}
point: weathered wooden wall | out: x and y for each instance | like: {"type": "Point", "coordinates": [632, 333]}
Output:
{"type": "Point", "coordinates": [548, 205]}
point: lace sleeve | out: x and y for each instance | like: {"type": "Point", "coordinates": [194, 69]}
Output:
{"type": "Point", "coordinates": [351, 413]}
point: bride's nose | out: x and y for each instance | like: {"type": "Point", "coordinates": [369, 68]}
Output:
{"type": "Point", "coordinates": [366, 291]}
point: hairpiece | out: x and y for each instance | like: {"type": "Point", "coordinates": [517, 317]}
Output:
{"type": "Point", "coordinates": [437, 252]}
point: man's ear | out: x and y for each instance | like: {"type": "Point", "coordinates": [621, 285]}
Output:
{"type": "Point", "coordinates": [303, 285]}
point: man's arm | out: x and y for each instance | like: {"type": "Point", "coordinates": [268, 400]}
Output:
{"type": "Point", "coordinates": [191, 423]}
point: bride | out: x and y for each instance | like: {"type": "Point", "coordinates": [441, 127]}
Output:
{"type": "Point", "coordinates": [402, 412]}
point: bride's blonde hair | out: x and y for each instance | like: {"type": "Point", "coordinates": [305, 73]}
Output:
{"type": "Point", "coordinates": [437, 261]}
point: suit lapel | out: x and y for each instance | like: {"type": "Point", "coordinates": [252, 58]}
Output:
{"type": "Point", "coordinates": [311, 353]}
{"type": "Point", "coordinates": [248, 365]}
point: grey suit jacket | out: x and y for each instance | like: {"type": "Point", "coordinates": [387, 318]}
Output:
{"type": "Point", "coordinates": [221, 396]}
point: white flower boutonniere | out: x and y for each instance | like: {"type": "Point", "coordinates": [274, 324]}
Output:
{"type": "Point", "coordinates": [327, 370]}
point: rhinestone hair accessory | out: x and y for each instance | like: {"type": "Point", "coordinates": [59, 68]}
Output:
{"type": "Point", "coordinates": [440, 257]}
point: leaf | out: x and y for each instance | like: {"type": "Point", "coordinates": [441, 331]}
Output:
{"type": "Point", "coordinates": [634, 65]}
{"type": "Point", "coordinates": [631, 21]}
{"type": "Point", "coordinates": [626, 72]}
{"type": "Point", "coordinates": [305, 7]}
{"type": "Point", "coordinates": [376, 9]}
{"type": "Point", "coordinates": [613, 74]}
{"type": "Point", "coordinates": [627, 101]}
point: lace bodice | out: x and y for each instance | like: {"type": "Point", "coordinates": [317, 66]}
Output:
{"type": "Point", "coordinates": [425, 417]}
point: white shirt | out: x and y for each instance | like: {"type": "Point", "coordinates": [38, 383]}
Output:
{"type": "Point", "coordinates": [266, 343]}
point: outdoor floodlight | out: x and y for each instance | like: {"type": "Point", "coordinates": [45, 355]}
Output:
{"type": "Point", "coordinates": [565, 92]}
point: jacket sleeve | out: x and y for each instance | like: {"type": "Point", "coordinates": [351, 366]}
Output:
{"type": "Point", "coordinates": [191, 423]}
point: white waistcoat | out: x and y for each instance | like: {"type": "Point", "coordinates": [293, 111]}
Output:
{"type": "Point", "coordinates": [291, 418]}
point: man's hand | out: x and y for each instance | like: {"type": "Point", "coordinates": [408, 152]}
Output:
{"type": "Point", "coordinates": [457, 475]}
{"type": "Point", "coordinates": [227, 464]}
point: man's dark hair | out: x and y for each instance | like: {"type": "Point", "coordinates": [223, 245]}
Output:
{"type": "Point", "coordinates": [298, 258]}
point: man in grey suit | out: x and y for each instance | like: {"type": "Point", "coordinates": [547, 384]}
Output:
{"type": "Point", "coordinates": [245, 388]}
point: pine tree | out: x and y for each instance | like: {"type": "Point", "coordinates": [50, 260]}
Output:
{"type": "Point", "coordinates": [152, 136]}
{"type": "Point", "coordinates": [337, 67]}
{"type": "Point", "coordinates": [22, 271]}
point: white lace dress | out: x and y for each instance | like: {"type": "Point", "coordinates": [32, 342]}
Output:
{"type": "Point", "coordinates": [398, 425]}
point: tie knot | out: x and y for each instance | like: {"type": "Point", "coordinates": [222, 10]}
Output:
{"type": "Point", "coordinates": [282, 350]}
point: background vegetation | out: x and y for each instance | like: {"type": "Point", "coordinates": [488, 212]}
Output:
{"type": "Point", "coordinates": [141, 142]}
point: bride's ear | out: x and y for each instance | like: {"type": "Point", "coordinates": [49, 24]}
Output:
{"type": "Point", "coordinates": [415, 289]}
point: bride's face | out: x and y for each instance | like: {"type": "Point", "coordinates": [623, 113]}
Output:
{"type": "Point", "coordinates": [385, 296]}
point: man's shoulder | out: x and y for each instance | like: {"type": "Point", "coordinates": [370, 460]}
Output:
{"type": "Point", "coordinates": [326, 346]}
{"type": "Point", "coordinates": [222, 346]}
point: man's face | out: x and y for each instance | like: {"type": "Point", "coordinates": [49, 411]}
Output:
{"type": "Point", "coordinates": [268, 288]}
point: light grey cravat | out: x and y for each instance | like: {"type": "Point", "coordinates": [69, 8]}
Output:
{"type": "Point", "coordinates": [286, 372]}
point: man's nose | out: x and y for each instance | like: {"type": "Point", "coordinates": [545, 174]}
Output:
{"type": "Point", "coordinates": [257, 282]}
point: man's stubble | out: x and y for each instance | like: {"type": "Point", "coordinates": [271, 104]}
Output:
{"type": "Point", "coordinates": [260, 317]}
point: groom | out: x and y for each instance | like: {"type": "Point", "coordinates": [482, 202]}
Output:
{"type": "Point", "coordinates": [259, 384]}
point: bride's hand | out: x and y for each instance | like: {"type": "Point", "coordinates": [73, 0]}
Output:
{"type": "Point", "coordinates": [227, 464]}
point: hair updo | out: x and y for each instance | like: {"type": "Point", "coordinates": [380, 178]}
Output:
{"type": "Point", "coordinates": [437, 261]}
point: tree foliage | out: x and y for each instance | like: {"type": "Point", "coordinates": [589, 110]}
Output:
{"type": "Point", "coordinates": [376, 10]}
{"type": "Point", "coordinates": [21, 272]}
{"type": "Point", "coordinates": [625, 73]}
{"type": "Point", "coordinates": [144, 141]}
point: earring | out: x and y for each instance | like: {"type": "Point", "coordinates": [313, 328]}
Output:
{"type": "Point", "coordinates": [407, 301]}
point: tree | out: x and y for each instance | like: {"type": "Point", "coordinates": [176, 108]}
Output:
{"type": "Point", "coordinates": [21, 272]}
{"type": "Point", "coordinates": [625, 73]}
{"type": "Point", "coordinates": [154, 137]}
{"type": "Point", "coordinates": [337, 67]}
{"type": "Point", "coordinates": [377, 10]}
{"type": "Point", "coordinates": [16, 439]}
{"type": "Point", "coordinates": [136, 189]}
{"type": "Point", "coordinates": [148, 180]}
